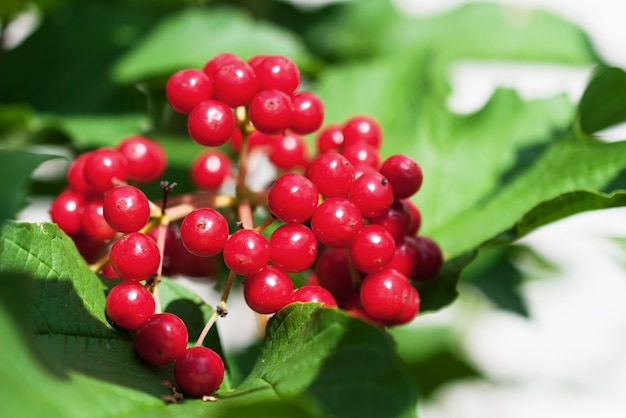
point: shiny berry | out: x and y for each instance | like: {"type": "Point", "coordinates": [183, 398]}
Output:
{"type": "Point", "coordinates": [185, 89]}
{"type": "Point", "coordinates": [161, 339]}
{"type": "Point", "coordinates": [293, 247]}
{"type": "Point", "coordinates": [315, 294]}
{"type": "Point", "coordinates": [329, 138]}
{"type": "Point", "coordinates": [372, 194]}
{"type": "Point", "coordinates": [210, 168]}
{"type": "Point", "coordinates": [308, 113]}
{"type": "Point", "coordinates": [126, 208]}
{"type": "Point", "coordinates": [271, 111]}
{"type": "Point", "coordinates": [362, 128]}
{"type": "Point", "coordinates": [105, 168]}
{"type": "Point", "coordinates": [289, 151]}
{"type": "Point", "coordinates": [146, 158]}
{"type": "Point", "coordinates": [373, 249]}
{"type": "Point", "coordinates": [277, 72]}
{"type": "Point", "coordinates": [246, 252]}
{"type": "Point", "coordinates": [268, 290]}
{"type": "Point", "coordinates": [336, 222]}
{"type": "Point", "coordinates": [211, 123]}
{"type": "Point", "coordinates": [198, 372]}
{"type": "Point", "coordinates": [204, 232]}
{"type": "Point", "coordinates": [293, 198]}
{"type": "Point", "coordinates": [385, 294]}
{"type": "Point", "coordinates": [234, 83]}
{"type": "Point", "coordinates": [92, 221]}
{"type": "Point", "coordinates": [129, 305]}
{"type": "Point", "coordinates": [332, 173]}
{"type": "Point", "coordinates": [404, 174]}
{"type": "Point", "coordinates": [135, 257]}
{"type": "Point", "coordinates": [66, 211]}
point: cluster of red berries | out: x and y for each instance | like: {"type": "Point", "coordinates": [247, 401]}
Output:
{"type": "Point", "coordinates": [343, 217]}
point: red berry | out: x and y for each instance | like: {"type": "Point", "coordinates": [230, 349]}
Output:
{"type": "Point", "coordinates": [372, 194]}
{"type": "Point", "coordinates": [204, 232]}
{"type": "Point", "coordinates": [330, 138]}
{"type": "Point", "coordinates": [268, 290]}
{"type": "Point", "coordinates": [362, 153]}
{"type": "Point", "coordinates": [362, 128]}
{"type": "Point", "coordinates": [308, 113]}
{"type": "Point", "coordinates": [211, 123]}
{"type": "Point", "coordinates": [385, 294]}
{"type": "Point", "coordinates": [129, 305]}
{"type": "Point", "coordinates": [293, 247]}
{"type": "Point", "coordinates": [185, 89]}
{"type": "Point", "coordinates": [92, 221]}
{"type": "Point", "coordinates": [199, 371]}
{"type": "Point", "coordinates": [289, 151]}
{"type": "Point", "coordinates": [334, 274]}
{"type": "Point", "coordinates": [247, 252]}
{"type": "Point", "coordinates": [135, 257]}
{"type": "Point", "coordinates": [404, 174]}
{"type": "Point", "coordinates": [406, 256]}
{"type": "Point", "coordinates": [397, 220]}
{"type": "Point", "coordinates": [146, 158]}
{"type": "Point", "coordinates": [76, 176]}
{"type": "Point", "coordinates": [410, 311]}
{"type": "Point", "coordinates": [161, 339]}
{"type": "Point", "coordinates": [430, 259]}
{"type": "Point", "coordinates": [293, 198]}
{"type": "Point", "coordinates": [126, 208]}
{"type": "Point", "coordinates": [210, 168]}
{"type": "Point", "coordinates": [105, 168]}
{"type": "Point", "coordinates": [66, 210]}
{"type": "Point", "coordinates": [277, 72]}
{"type": "Point", "coordinates": [218, 61]}
{"type": "Point", "coordinates": [316, 294]}
{"type": "Point", "coordinates": [332, 173]}
{"type": "Point", "coordinates": [336, 222]}
{"type": "Point", "coordinates": [234, 83]}
{"type": "Point", "coordinates": [372, 249]}
{"type": "Point", "coordinates": [271, 111]}
{"type": "Point", "coordinates": [416, 217]}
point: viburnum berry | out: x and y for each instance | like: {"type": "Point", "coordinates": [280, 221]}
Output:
{"type": "Point", "coordinates": [373, 249]}
{"type": "Point", "coordinates": [308, 113]}
{"type": "Point", "coordinates": [146, 158]}
{"type": "Point", "coordinates": [76, 177]}
{"type": "Point", "coordinates": [161, 339]}
{"type": "Point", "coordinates": [333, 273]}
{"type": "Point", "coordinates": [126, 208]}
{"type": "Point", "coordinates": [246, 252]}
{"type": "Point", "coordinates": [289, 151]}
{"type": "Point", "coordinates": [210, 168]}
{"type": "Point", "coordinates": [397, 220]}
{"type": "Point", "coordinates": [315, 294]}
{"type": "Point", "coordinates": [135, 257]}
{"type": "Point", "coordinates": [271, 111]}
{"type": "Point", "coordinates": [129, 305]}
{"type": "Point", "coordinates": [430, 259]}
{"type": "Point", "coordinates": [105, 168]}
{"type": "Point", "coordinates": [268, 290]}
{"type": "Point", "coordinates": [92, 221]}
{"type": "Point", "coordinates": [329, 138]}
{"type": "Point", "coordinates": [406, 257]}
{"type": "Point", "coordinates": [218, 61]}
{"type": "Point", "coordinates": [185, 89]}
{"type": "Point", "coordinates": [198, 371]}
{"type": "Point", "coordinates": [204, 232]}
{"type": "Point", "coordinates": [372, 194]}
{"type": "Point", "coordinates": [385, 294]}
{"type": "Point", "coordinates": [361, 152]}
{"type": "Point", "coordinates": [362, 128]}
{"type": "Point", "coordinates": [410, 311]}
{"type": "Point", "coordinates": [277, 72]}
{"type": "Point", "coordinates": [211, 123]}
{"type": "Point", "coordinates": [332, 173]}
{"type": "Point", "coordinates": [336, 222]}
{"type": "Point", "coordinates": [292, 198]}
{"type": "Point", "coordinates": [416, 216]}
{"type": "Point", "coordinates": [293, 247]}
{"type": "Point", "coordinates": [234, 83]}
{"type": "Point", "coordinates": [66, 210]}
{"type": "Point", "coordinates": [404, 174]}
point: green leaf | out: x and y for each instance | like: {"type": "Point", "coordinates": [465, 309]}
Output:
{"type": "Point", "coordinates": [191, 37]}
{"type": "Point", "coordinates": [16, 168]}
{"type": "Point", "coordinates": [312, 360]}
{"type": "Point", "coordinates": [602, 105]}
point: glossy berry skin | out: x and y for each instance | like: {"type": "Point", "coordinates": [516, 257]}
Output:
{"type": "Point", "coordinates": [308, 113]}
{"type": "Point", "coordinates": [410, 311]}
{"type": "Point", "coordinates": [397, 220]}
{"type": "Point", "coordinates": [293, 198]}
{"type": "Point", "coordinates": [204, 232]}
{"type": "Point", "coordinates": [211, 123]}
{"type": "Point", "coordinates": [129, 305]}
{"type": "Point", "coordinates": [105, 168]}
{"type": "Point", "coordinates": [336, 222]}
{"type": "Point", "coordinates": [92, 221]}
{"type": "Point", "coordinates": [126, 208]}
{"type": "Point", "coordinates": [316, 294]}
{"type": "Point", "coordinates": [406, 257]}
{"type": "Point", "coordinates": [185, 89]}
{"type": "Point", "coordinates": [332, 173]}
{"type": "Point", "coordinates": [66, 210]}
{"type": "Point", "coordinates": [329, 138]}
{"type": "Point", "coordinates": [362, 128]}
{"type": "Point", "coordinates": [293, 247]}
{"type": "Point", "coordinates": [362, 153]}
{"type": "Point", "coordinates": [210, 168]}
{"type": "Point", "coordinates": [267, 291]}
{"type": "Point", "coordinates": [271, 111]}
{"type": "Point", "coordinates": [76, 177]}
{"type": "Point", "coordinates": [385, 294]}
{"type": "Point", "coordinates": [234, 83]}
{"type": "Point", "coordinates": [404, 174]}
{"type": "Point", "coordinates": [373, 249]}
{"type": "Point", "coordinates": [289, 151]}
{"type": "Point", "coordinates": [161, 339]}
{"type": "Point", "coordinates": [135, 257]}
{"type": "Point", "coordinates": [246, 252]}
{"type": "Point", "coordinates": [277, 72]}
{"type": "Point", "coordinates": [430, 259]}
{"type": "Point", "coordinates": [416, 216]}
{"type": "Point", "coordinates": [372, 194]}
{"type": "Point", "coordinates": [218, 61]}
{"type": "Point", "coordinates": [198, 372]}
{"type": "Point", "coordinates": [146, 158]}
{"type": "Point", "coordinates": [333, 273]}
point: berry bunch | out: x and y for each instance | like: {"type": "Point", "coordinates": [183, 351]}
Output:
{"type": "Point", "coordinates": [343, 218]}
